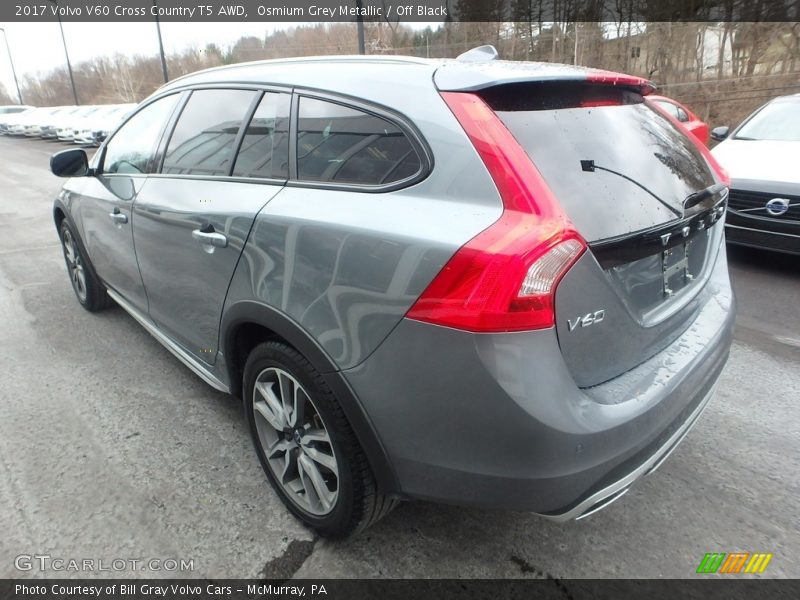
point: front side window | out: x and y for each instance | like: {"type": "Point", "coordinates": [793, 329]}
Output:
{"type": "Point", "coordinates": [338, 144]}
{"type": "Point", "coordinates": [204, 137]}
{"type": "Point", "coordinates": [131, 148]}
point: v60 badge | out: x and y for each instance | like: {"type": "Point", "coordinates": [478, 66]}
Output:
{"type": "Point", "coordinates": [586, 320]}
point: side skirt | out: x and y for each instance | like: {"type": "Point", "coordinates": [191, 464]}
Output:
{"type": "Point", "coordinates": [179, 352]}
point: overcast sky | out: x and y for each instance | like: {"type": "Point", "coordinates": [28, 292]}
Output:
{"type": "Point", "coordinates": [37, 47]}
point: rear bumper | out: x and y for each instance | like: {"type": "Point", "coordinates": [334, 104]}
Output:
{"type": "Point", "coordinates": [496, 420]}
{"type": "Point", "coordinates": [610, 492]}
{"type": "Point", "coordinates": [777, 234]}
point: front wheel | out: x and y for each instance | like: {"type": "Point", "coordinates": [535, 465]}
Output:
{"type": "Point", "coordinates": [91, 293]}
{"type": "Point", "coordinates": [306, 446]}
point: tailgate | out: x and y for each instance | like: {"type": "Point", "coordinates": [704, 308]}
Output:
{"type": "Point", "coordinates": [628, 178]}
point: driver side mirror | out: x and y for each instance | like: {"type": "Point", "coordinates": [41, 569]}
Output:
{"type": "Point", "coordinates": [720, 133]}
{"type": "Point", "coordinates": [70, 163]}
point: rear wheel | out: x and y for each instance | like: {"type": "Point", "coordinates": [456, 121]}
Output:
{"type": "Point", "coordinates": [306, 446]}
{"type": "Point", "coordinates": [91, 293]}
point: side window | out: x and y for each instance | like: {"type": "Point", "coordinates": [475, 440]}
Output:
{"type": "Point", "coordinates": [131, 148]}
{"type": "Point", "coordinates": [343, 145]}
{"type": "Point", "coordinates": [202, 142]}
{"type": "Point", "coordinates": [669, 107]}
{"type": "Point", "coordinates": [265, 147]}
{"type": "Point", "coordinates": [682, 116]}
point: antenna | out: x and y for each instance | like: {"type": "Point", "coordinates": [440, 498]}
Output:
{"type": "Point", "coordinates": [479, 54]}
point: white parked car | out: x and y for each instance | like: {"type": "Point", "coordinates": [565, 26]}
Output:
{"type": "Point", "coordinates": [97, 127]}
{"type": "Point", "coordinates": [762, 156]}
{"type": "Point", "coordinates": [49, 130]}
{"type": "Point", "coordinates": [20, 124]}
{"type": "Point", "coordinates": [65, 127]}
{"type": "Point", "coordinates": [10, 114]}
{"type": "Point", "coordinates": [33, 125]}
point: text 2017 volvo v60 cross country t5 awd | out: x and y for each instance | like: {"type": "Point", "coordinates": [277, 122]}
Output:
{"type": "Point", "coordinates": [470, 281]}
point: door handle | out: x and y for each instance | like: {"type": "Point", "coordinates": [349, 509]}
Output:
{"type": "Point", "coordinates": [210, 237]}
{"type": "Point", "coordinates": [118, 217]}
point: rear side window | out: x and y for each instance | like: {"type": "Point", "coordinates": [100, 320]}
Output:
{"type": "Point", "coordinates": [338, 144]}
{"type": "Point", "coordinates": [202, 142]}
{"type": "Point", "coordinates": [674, 110]}
{"type": "Point", "coordinates": [131, 148]}
{"type": "Point", "coordinates": [560, 125]}
{"type": "Point", "coordinates": [265, 148]}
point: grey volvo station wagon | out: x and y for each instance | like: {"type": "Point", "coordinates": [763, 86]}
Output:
{"type": "Point", "coordinates": [471, 281]}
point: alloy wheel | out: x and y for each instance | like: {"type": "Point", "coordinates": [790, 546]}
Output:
{"type": "Point", "coordinates": [296, 442]}
{"type": "Point", "coordinates": [75, 267]}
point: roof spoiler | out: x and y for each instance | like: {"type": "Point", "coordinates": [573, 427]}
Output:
{"type": "Point", "coordinates": [479, 68]}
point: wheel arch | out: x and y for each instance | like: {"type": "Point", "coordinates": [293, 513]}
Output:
{"type": "Point", "coordinates": [246, 323]}
{"type": "Point", "coordinates": [61, 214]}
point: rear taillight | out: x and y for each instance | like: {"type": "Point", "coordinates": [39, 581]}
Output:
{"type": "Point", "coordinates": [503, 279]}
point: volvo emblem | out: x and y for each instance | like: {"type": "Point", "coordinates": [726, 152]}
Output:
{"type": "Point", "coordinates": [665, 239]}
{"type": "Point", "coordinates": [777, 206]}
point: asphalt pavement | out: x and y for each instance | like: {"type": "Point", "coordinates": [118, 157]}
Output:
{"type": "Point", "coordinates": [111, 449]}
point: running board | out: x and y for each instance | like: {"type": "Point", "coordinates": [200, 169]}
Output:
{"type": "Point", "coordinates": [181, 354]}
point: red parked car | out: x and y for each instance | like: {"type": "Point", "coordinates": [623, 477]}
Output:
{"type": "Point", "coordinates": [687, 118]}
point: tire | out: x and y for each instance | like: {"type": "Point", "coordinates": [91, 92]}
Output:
{"type": "Point", "coordinates": [309, 438]}
{"type": "Point", "coordinates": [89, 291]}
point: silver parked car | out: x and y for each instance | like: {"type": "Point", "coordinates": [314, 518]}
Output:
{"type": "Point", "coordinates": [470, 281]}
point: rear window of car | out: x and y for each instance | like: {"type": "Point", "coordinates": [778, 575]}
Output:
{"type": "Point", "coordinates": [674, 110]}
{"type": "Point", "coordinates": [339, 144]}
{"type": "Point", "coordinates": [560, 125]}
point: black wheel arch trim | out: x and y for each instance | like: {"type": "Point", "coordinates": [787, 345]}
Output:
{"type": "Point", "coordinates": [248, 311]}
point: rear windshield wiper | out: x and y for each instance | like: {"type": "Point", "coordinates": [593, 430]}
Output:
{"type": "Point", "coordinates": [697, 197]}
{"type": "Point", "coordinates": [590, 167]}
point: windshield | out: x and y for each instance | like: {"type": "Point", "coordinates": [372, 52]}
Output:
{"type": "Point", "coordinates": [776, 121]}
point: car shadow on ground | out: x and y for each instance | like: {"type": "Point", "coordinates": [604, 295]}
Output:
{"type": "Point", "coordinates": [756, 259]}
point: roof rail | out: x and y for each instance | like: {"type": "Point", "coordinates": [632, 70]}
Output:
{"type": "Point", "coordinates": [479, 54]}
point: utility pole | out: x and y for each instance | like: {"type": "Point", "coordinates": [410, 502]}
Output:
{"type": "Point", "coordinates": [161, 47]}
{"type": "Point", "coordinates": [13, 70]}
{"type": "Point", "coordinates": [360, 23]}
{"type": "Point", "coordinates": [66, 53]}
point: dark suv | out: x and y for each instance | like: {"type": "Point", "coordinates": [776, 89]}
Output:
{"type": "Point", "coordinates": [471, 281]}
